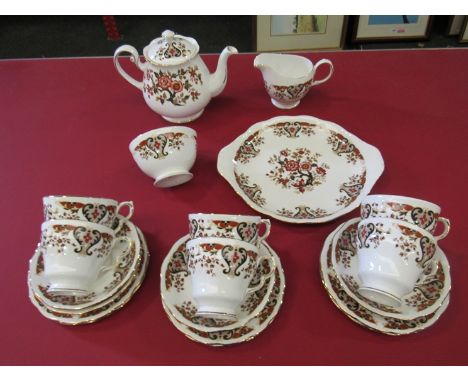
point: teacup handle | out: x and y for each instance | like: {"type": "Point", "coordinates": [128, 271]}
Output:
{"type": "Point", "coordinates": [124, 219]}
{"type": "Point", "coordinates": [323, 61]}
{"type": "Point", "coordinates": [267, 229]}
{"type": "Point", "coordinates": [135, 58]}
{"type": "Point", "coordinates": [446, 230]}
{"type": "Point", "coordinates": [264, 277]}
{"type": "Point", "coordinates": [121, 256]}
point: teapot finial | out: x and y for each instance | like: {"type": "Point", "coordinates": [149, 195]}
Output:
{"type": "Point", "coordinates": [168, 35]}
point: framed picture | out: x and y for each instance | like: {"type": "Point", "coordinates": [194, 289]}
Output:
{"type": "Point", "coordinates": [298, 32]}
{"type": "Point", "coordinates": [455, 24]}
{"type": "Point", "coordinates": [388, 27]}
{"type": "Point", "coordinates": [464, 31]}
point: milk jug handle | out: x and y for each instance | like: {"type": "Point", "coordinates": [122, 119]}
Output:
{"type": "Point", "coordinates": [321, 62]}
{"type": "Point", "coordinates": [135, 58]}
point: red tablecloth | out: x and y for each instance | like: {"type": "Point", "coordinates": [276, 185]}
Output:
{"type": "Point", "coordinates": [65, 127]}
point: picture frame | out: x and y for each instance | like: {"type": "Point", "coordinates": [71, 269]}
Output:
{"type": "Point", "coordinates": [298, 32]}
{"type": "Point", "coordinates": [391, 28]}
{"type": "Point", "coordinates": [454, 25]}
{"type": "Point", "coordinates": [463, 36]}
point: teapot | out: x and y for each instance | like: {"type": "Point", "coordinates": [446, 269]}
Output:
{"type": "Point", "coordinates": [176, 82]}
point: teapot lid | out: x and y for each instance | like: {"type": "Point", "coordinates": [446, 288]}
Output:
{"type": "Point", "coordinates": [171, 49]}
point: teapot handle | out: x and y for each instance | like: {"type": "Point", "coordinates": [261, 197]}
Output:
{"type": "Point", "coordinates": [135, 58]}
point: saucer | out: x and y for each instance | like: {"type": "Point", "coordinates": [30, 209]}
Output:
{"type": "Point", "coordinates": [359, 314]}
{"type": "Point", "coordinates": [250, 329]}
{"type": "Point", "coordinates": [426, 297]}
{"type": "Point", "coordinates": [106, 307]}
{"type": "Point", "coordinates": [300, 169]}
{"type": "Point", "coordinates": [105, 286]}
{"type": "Point", "coordinates": [176, 292]}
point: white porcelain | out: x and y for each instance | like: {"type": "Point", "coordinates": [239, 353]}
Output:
{"type": "Point", "coordinates": [166, 154]}
{"type": "Point", "coordinates": [221, 271]}
{"type": "Point", "coordinates": [424, 214]}
{"type": "Point", "coordinates": [176, 82]}
{"type": "Point", "coordinates": [75, 252]}
{"type": "Point", "coordinates": [116, 301]}
{"type": "Point", "coordinates": [359, 314]}
{"type": "Point", "coordinates": [176, 292]}
{"type": "Point", "coordinates": [288, 77]}
{"type": "Point", "coordinates": [392, 255]}
{"type": "Point", "coordinates": [103, 211]}
{"type": "Point", "coordinates": [239, 227]}
{"type": "Point", "coordinates": [300, 169]}
{"type": "Point", "coordinates": [106, 284]}
{"type": "Point", "coordinates": [426, 297]}
{"type": "Point", "coordinates": [251, 328]}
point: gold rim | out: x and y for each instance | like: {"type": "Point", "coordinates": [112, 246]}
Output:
{"type": "Point", "coordinates": [264, 300]}
{"type": "Point", "coordinates": [399, 316]}
{"type": "Point", "coordinates": [391, 332]}
{"type": "Point", "coordinates": [132, 290]}
{"type": "Point", "coordinates": [195, 337]}
{"type": "Point", "coordinates": [129, 277]}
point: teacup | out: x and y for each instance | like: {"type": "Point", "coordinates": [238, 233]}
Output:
{"type": "Point", "coordinates": [76, 252]}
{"type": "Point", "coordinates": [240, 227]}
{"type": "Point", "coordinates": [424, 214]}
{"type": "Point", "coordinates": [221, 271]}
{"type": "Point", "coordinates": [288, 77]}
{"type": "Point", "coordinates": [166, 154]}
{"type": "Point", "coordinates": [392, 255]}
{"type": "Point", "coordinates": [94, 210]}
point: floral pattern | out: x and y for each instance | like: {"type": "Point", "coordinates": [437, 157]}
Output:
{"type": "Point", "coordinates": [352, 189]}
{"type": "Point", "coordinates": [159, 146]}
{"type": "Point", "coordinates": [230, 229]}
{"type": "Point", "coordinates": [83, 240]}
{"type": "Point", "coordinates": [249, 148]}
{"type": "Point", "coordinates": [214, 257]}
{"type": "Point", "coordinates": [407, 243]}
{"type": "Point", "coordinates": [174, 49]}
{"type": "Point", "coordinates": [299, 170]}
{"type": "Point", "coordinates": [302, 212]}
{"type": "Point", "coordinates": [288, 94]}
{"type": "Point", "coordinates": [177, 269]}
{"type": "Point", "coordinates": [254, 192]}
{"type": "Point", "coordinates": [422, 217]}
{"type": "Point", "coordinates": [177, 87]}
{"type": "Point", "coordinates": [293, 129]}
{"type": "Point", "coordinates": [94, 213]}
{"type": "Point", "coordinates": [341, 145]}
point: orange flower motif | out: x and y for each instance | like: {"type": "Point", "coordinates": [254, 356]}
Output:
{"type": "Point", "coordinates": [164, 82]}
{"type": "Point", "coordinates": [177, 86]}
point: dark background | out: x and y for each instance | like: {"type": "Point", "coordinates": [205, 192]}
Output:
{"type": "Point", "coordinates": [69, 36]}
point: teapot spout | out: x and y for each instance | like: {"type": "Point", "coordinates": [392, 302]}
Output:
{"type": "Point", "coordinates": [218, 79]}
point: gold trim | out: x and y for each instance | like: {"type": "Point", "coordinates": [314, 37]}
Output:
{"type": "Point", "coordinates": [391, 332]}
{"type": "Point", "coordinates": [399, 316]}
{"type": "Point", "coordinates": [249, 337]}
{"type": "Point", "coordinates": [132, 290]}
{"type": "Point", "coordinates": [227, 327]}
{"type": "Point", "coordinates": [129, 276]}
{"type": "Point", "coordinates": [262, 210]}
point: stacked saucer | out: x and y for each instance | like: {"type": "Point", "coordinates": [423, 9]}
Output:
{"type": "Point", "coordinates": [257, 310]}
{"type": "Point", "coordinates": [115, 283]}
{"type": "Point", "coordinates": [418, 310]}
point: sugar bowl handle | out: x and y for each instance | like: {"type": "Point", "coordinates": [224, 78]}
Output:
{"type": "Point", "coordinates": [135, 58]}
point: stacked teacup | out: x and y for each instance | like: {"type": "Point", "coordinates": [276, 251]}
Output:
{"type": "Point", "coordinates": [395, 245]}
{"type": "Point", "coordinates": [223, 256]}
{"type": "Point", "coordinates": [77, 238]}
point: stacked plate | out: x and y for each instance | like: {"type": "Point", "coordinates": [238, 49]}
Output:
{"type": "Point", "coordinates": [111, 291]}
{"type": "Point", "coordinates": [419, 309]}
{"type": "Point", "coordinates": [257, 310]}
